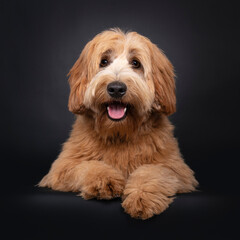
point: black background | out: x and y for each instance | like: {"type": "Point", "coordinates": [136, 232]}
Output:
{"type": "Point", "coordinates": [43, 39]}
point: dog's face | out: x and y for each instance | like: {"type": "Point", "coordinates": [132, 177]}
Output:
{"type": "Point", "coordinates": [120, 79]}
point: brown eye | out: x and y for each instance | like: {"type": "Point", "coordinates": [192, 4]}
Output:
{"type": "Point", "coordinates": [136, 64]}
{"type": "Point", "coordinates": [104, 62]}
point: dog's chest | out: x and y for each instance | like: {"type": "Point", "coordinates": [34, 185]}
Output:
{"type": "Point", "coordinates": [127, 157]}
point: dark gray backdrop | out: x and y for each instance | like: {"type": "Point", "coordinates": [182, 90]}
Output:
{"type": "Point", "coordinates": [43, 39]}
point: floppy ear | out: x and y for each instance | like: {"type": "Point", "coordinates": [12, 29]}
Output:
{"type": "Point", "coordinates": [163, 78]}
{"type": "Point", "coordinates": [78, 79]}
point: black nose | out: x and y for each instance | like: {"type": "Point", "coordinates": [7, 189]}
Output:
{"type": "Point", "coordinates": [116, 89]}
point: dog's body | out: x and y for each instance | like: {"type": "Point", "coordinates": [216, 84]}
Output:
{"type": "Point", "coordinates": [122, 143]}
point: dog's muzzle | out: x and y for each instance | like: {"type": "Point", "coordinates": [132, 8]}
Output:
{"type": "Point", "coordinates": [116, 109]}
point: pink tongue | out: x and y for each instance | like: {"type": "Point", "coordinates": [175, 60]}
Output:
{"type": "Point", "coordinates": [116, 111]}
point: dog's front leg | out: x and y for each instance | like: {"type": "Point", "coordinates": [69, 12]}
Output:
{"type": "Point", "coordinates": [149, 190]}
{"type": "Point", "coordinates": [94, 179]}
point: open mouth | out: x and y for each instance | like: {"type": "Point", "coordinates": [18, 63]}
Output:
{"type": "Point", "coordinates": [116, 110]}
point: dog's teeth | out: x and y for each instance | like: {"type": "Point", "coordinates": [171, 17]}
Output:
{"type": "Point", "coordinates": [125, 109]}
{"type": "Point", "coordinates": [108, 108]}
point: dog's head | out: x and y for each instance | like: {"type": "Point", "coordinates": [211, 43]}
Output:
{"type": "Point", "coordinates": [121, 78]}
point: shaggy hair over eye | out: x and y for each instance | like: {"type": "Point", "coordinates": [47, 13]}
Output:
{"type": "Point", "coordinates": [122, 143]}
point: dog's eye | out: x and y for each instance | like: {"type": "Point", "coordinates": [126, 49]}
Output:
{"type": "Point", "coordinates": [104, 62]}
{"type": "Point", "coordinates": [136, 64]}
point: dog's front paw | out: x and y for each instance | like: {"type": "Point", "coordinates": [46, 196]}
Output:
{"type": "Point", "coordinates": [103, 186]}
{"type": "Point", "coordinates": [143, 205]}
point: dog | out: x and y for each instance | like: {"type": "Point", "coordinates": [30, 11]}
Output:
{"type": "Point", "coordinates": [122, 90]}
